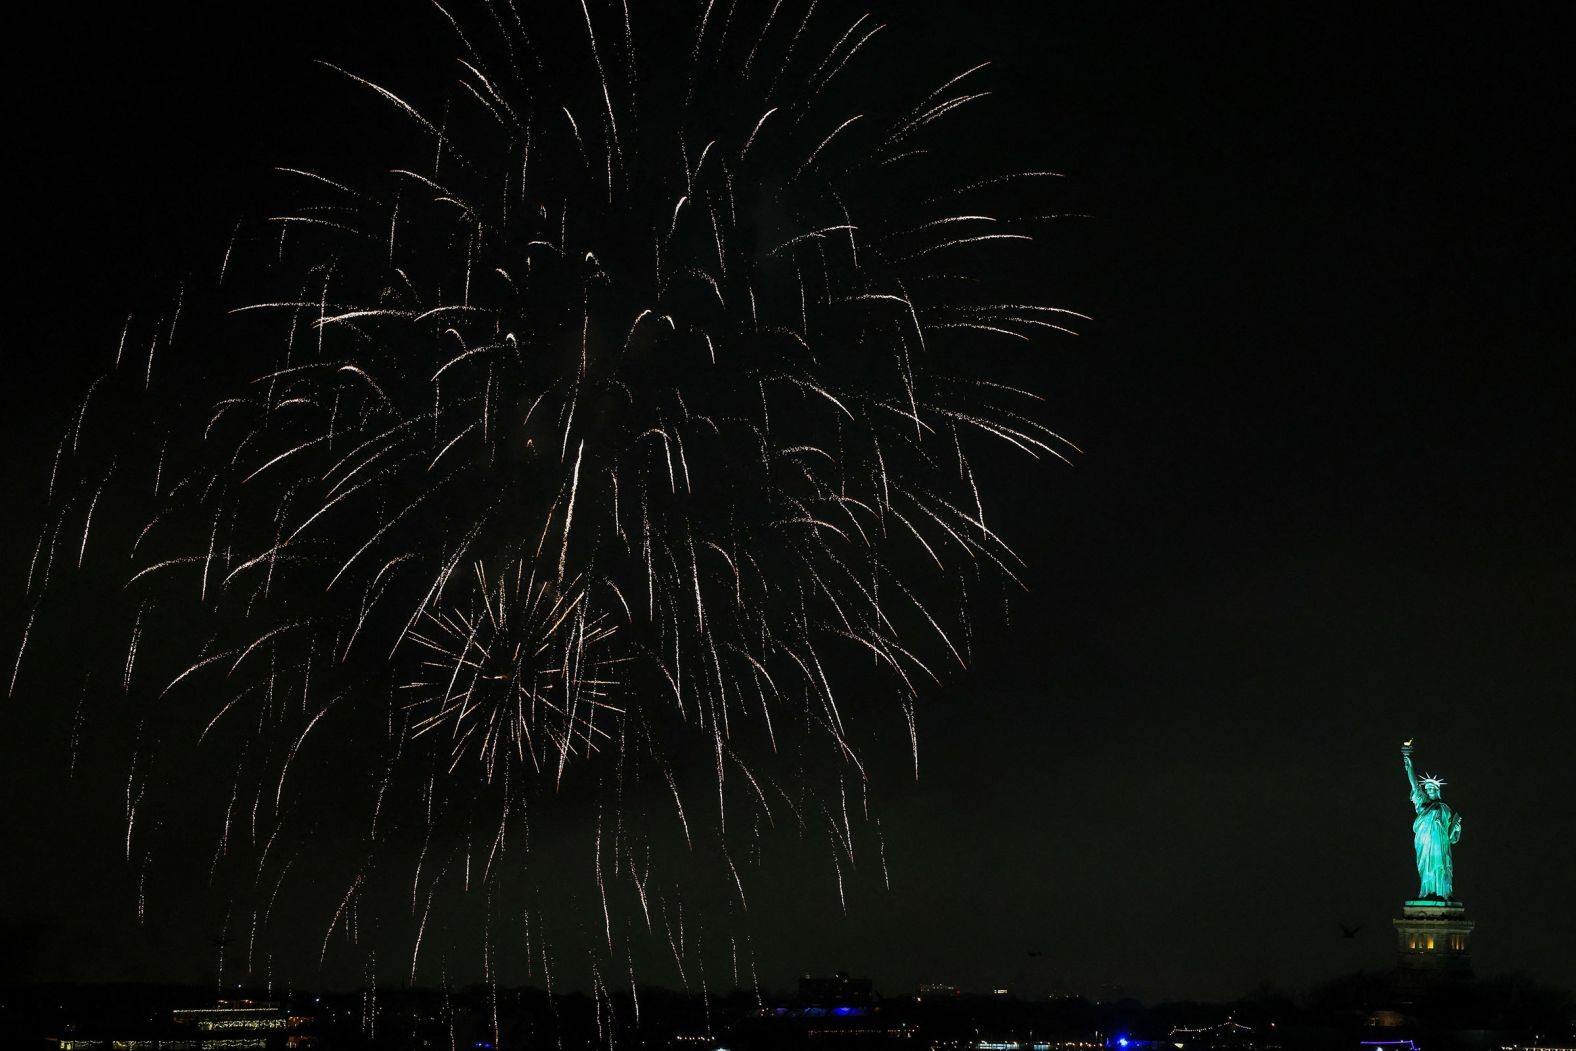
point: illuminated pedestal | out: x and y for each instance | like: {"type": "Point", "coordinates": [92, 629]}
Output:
{"type": "Point", "coordinates": [1433, 940]}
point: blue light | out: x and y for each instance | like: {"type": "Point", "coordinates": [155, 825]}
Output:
{"type": "Point", "coordinates": [1121, 1041]}
{"type": "Point", "coordinates": [842, 1011]}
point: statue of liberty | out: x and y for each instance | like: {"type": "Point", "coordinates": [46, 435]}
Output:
{"type": "Point", "coordinates": [1436, 828]}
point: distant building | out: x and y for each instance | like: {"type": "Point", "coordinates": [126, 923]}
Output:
{"type": "Point", "coordinates": [243, 1025]}
{"type": "Point", "coordinates": [240, 1024]}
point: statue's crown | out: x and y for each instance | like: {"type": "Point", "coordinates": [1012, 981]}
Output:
{"type": "Point", "coordinates": [1430, 779]}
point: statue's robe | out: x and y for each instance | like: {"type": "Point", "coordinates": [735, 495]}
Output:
{"type": "Point", "coordinates": [1434, 830]}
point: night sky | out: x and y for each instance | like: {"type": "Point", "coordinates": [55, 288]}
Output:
{"type": "Point", "coordinates": [1326, 501]}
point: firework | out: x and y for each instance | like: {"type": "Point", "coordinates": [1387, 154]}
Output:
{"type": "Point", "coordinates": [608, 420]}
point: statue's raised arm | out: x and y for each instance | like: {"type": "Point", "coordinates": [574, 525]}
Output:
{"type": "Point", "coordinates": [1413, 788]}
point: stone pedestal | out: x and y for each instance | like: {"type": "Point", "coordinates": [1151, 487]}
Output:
{"type": "Point", "coordinates": [1433, 940]}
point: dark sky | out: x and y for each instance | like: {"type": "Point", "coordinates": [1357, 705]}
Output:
{"type": "Point", "coordinates": [1326, 501]}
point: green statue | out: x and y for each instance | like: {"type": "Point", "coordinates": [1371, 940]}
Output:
{"type": "Point", "coordinates": [1436, 829]}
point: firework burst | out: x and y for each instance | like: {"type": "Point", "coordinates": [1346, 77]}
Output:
{"type": "Point", "coordinates": [611, 412]}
